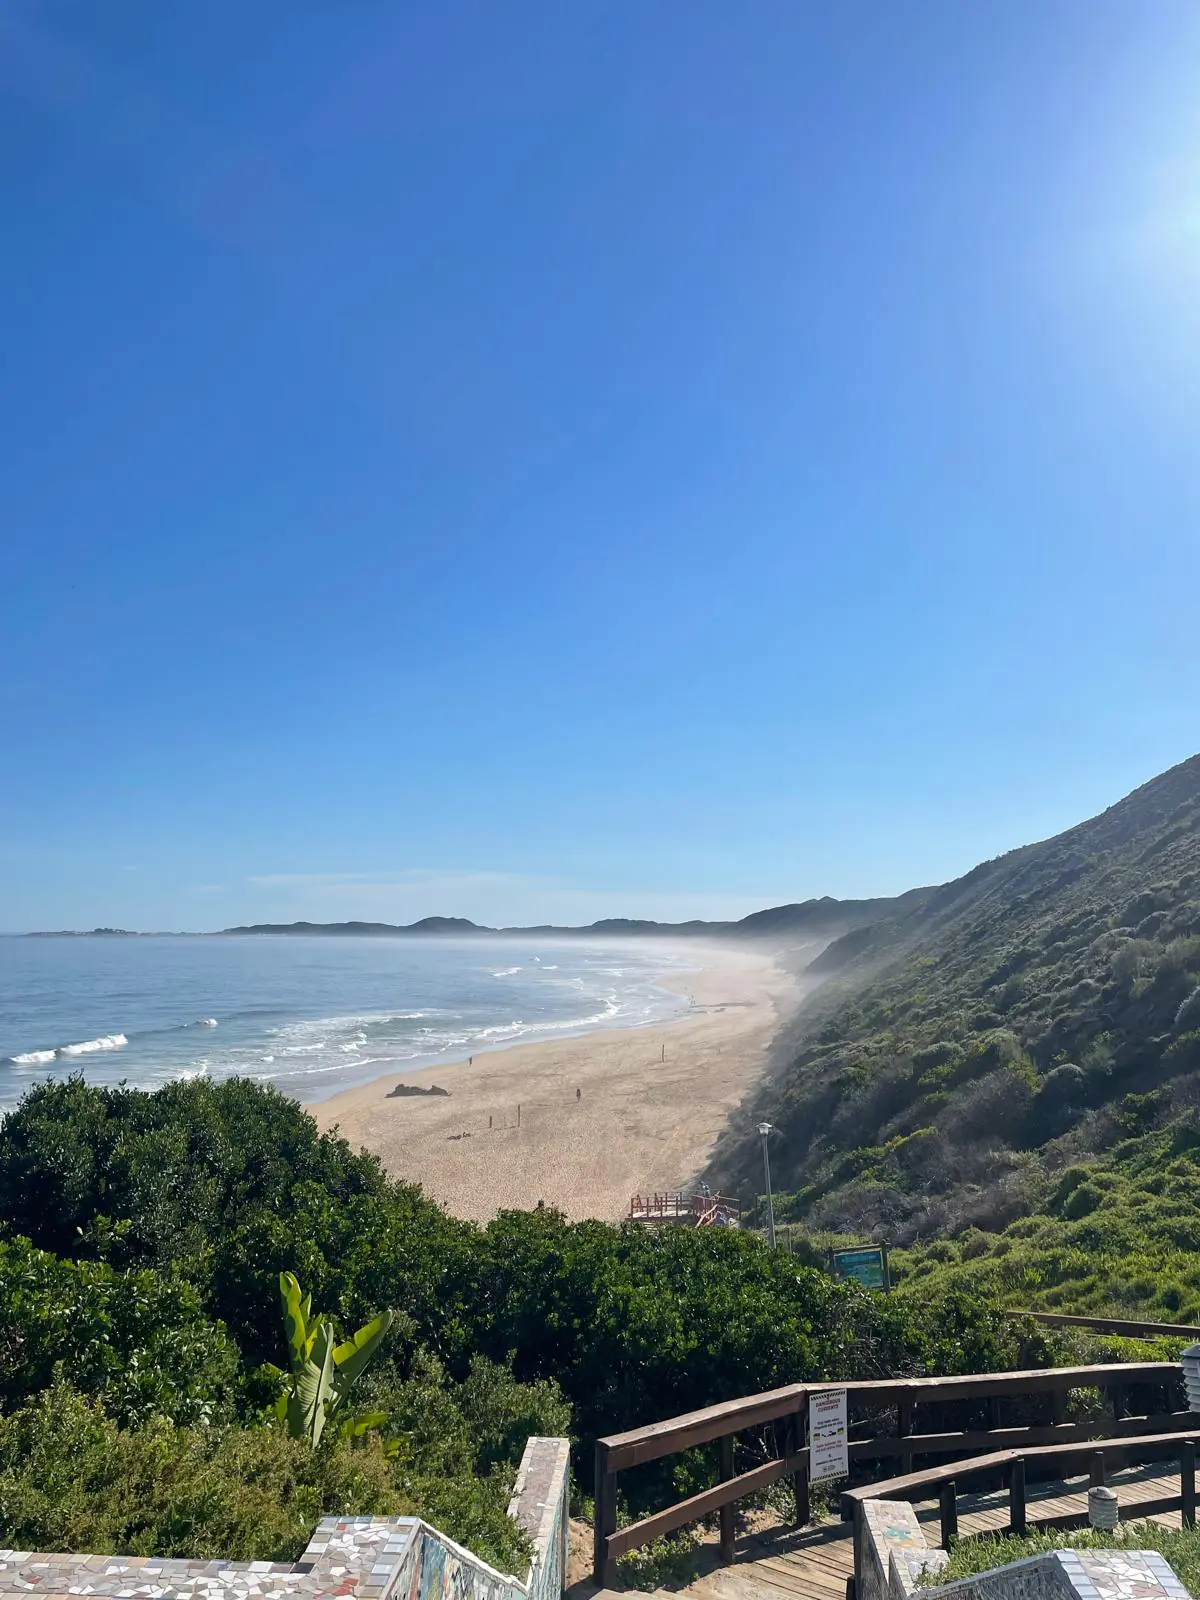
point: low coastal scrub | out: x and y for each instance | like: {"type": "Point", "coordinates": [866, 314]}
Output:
{"type": "Point", "coordinates": [144, 1238]}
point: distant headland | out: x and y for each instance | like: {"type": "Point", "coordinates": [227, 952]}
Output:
{"type": "Point", "coordinates": [822, 918]}
{"type": "Point", "coordinates": [805, 919]}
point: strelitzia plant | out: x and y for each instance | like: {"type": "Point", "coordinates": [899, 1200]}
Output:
{"type": "Point", "coordinates": [322, 1371]}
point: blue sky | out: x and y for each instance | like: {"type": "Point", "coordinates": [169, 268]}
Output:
{"type": "Point", "coordinates": [539, 460]}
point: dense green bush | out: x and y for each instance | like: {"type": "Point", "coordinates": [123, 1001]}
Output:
{"type": "Point", "coordinates": [137, 1341]}
{"type": "Point", "coordinates": [70, 1479]}
{"type": "Point", "coordinates": [230, 1184]}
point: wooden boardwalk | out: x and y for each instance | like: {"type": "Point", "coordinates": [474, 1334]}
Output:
{"type": "Point", "coordinates": [814, 1564]}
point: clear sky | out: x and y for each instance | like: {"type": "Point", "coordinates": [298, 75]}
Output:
{"type": "Point", "coordinates": [554, 460]}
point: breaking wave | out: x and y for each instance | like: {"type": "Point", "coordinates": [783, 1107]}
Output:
{"type": "Point", "coordinates": [87, 1047]}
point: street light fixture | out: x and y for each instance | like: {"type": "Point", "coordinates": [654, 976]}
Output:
{"type": "Point", "coordinates": [764, 1129]}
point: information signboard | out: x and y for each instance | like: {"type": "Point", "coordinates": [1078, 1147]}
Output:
{"type": "Point", "coordinates": [828, 1455]}
{"type": "Point", "coordinates": [868, 1266]}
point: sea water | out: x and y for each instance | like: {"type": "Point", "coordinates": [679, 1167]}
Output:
{"type": "Point", "coordinates": [310, 1014]}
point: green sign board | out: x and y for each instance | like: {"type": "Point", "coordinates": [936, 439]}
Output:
{"type": "Point", "coordinates": [868, 1266]}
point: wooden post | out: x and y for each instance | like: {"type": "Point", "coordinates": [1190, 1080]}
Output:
{"type": "Point", "coordinates": [1187, 1483]}
{"type": "Point", "coordinates": [1096, 1474]}
{"type": "Point", "coordinates": [993, 1412]}
{"type": "Point", "coordinates": [904, 1411]}
{"type": "Point", "coordinates": [800, 1490]}
{"type": "Point", "coordinates": [1058, 1407]}
{"type": "Point", "coordinates": [604, 1574]}
{"type": "Point", "coordinates": [1016, 1496]}
{"type": "Point", "coordinates": [726, 1512]}
{"type": "Point", "coordinates": [1118, 1401]}
{"type": "Point", "coordinates": [948, 1504]}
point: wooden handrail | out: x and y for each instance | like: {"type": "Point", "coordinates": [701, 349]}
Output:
{"type": "Point", "coordinates": [914, 1485]}
{"type": "Point", "coordinates": [731, 1416]}
{"type": "Point", "coordinates": [1134, 1330]}
{"type": "Point", "coordinates": [1099, 1452]}
{"type": "Point", "coordinates": [618, 1452]}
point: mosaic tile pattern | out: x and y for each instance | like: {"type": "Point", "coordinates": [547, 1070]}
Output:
{"type": "Point", "coordinates": [359, 1556]}
{"type": "Point", "coordinates": [347, 1558]}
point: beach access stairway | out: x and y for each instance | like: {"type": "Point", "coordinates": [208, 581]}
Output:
{"type": "Point", "coordinates": [995, 1451]}
{"type": "Point", "coordinates": [696, 1210]}
{"type": "Point", "coordinates": [817, 1562]}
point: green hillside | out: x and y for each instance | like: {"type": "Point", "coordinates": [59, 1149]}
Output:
{"type": "Point", "coordinates": [969, 1053]}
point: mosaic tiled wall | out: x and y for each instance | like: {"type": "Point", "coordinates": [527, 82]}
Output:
{"type": "Point", "coordinates": [541, 1505]}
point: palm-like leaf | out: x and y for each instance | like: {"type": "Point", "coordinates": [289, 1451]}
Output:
{"type": "Point", "coordinates": [312, 1388]}
{"type": "Point", "coordinates": [322, 1371]}
{"type": "Point", "coordinates": [353, 1356]}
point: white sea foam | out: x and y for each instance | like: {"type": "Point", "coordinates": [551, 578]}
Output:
{"type": "Point", "coordinates": [86, 1047]}
{"type": "Point", "coordinates": [90, 1047]}
{"type": "Point", "coordinates": [505, 972]}
{"type": "Point", "coordinates": [207, 1022]}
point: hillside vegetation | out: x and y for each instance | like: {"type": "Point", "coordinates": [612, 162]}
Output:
{"type": "Point", "coordinates": [1009, 1067]}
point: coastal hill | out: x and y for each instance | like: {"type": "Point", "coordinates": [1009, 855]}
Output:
{"type": "Point", "coordinates": [972, 1046]}
{"type": "Point", "coordinates": [807, 921]}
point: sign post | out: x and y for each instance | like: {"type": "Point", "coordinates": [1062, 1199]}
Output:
{"type": "Point", "coordinates": [828, 1447]}
{"type": "Point", "coordinates": [868, 1266]}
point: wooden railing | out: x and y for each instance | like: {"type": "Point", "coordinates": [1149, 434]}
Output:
{"type": "Point", "coordinates": [890, 1419]}
{"type": "Point", "coordinates": [657, 1207]}
{"type": "Point", "coordinates": [1121, 1325]}
{"type": "Point", "coordinates": [1101, 1458]}
{"type": "Point", "coordinates": [674, 1206]}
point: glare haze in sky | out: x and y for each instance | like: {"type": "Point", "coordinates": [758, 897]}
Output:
{"type": "Point", "coordinates": [545, 462]}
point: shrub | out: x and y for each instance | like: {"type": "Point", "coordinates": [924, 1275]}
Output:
{"type": "Point", "coordinates": [137, 1341]}
{"type": "Point", "coordinates": [70, 1479]}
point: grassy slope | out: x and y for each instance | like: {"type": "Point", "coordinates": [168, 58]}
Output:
{"type": "Point", "coordinates": [970, 1054]}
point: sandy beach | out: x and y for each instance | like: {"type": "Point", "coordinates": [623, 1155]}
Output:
{"type": "Point", "coordinates": [601, 1116]}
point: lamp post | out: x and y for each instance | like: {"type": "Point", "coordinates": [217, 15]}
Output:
{"type": "Point", "coordinates": [764, 1129]}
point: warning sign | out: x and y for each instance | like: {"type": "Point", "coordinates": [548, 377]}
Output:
{"type": "Point", "coordinates": [828, 1455]}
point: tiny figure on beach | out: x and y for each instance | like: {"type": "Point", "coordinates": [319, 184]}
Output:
{"type": "Point", "coordinates": [663, 1057]}
{"type": "Point", "coordinates": [470, 1061]}
{"type": "Point", "coordinates": [578, 1095]}
{"type": "Point", "coordinates": [489, 1124]}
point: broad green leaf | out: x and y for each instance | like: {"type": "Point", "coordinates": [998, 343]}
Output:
{"type": "Point", "coordinates": [352, 1356]}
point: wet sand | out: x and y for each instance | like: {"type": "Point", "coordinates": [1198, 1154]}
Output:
{"type": "Point", "coordinates": [601, 1117]}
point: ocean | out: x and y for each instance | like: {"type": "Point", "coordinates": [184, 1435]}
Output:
{"type": "Point", "coordinates": [311, 1015]}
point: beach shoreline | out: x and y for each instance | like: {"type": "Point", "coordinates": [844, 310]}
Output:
{"type": "Point", "coordinates": [601, 1115]}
